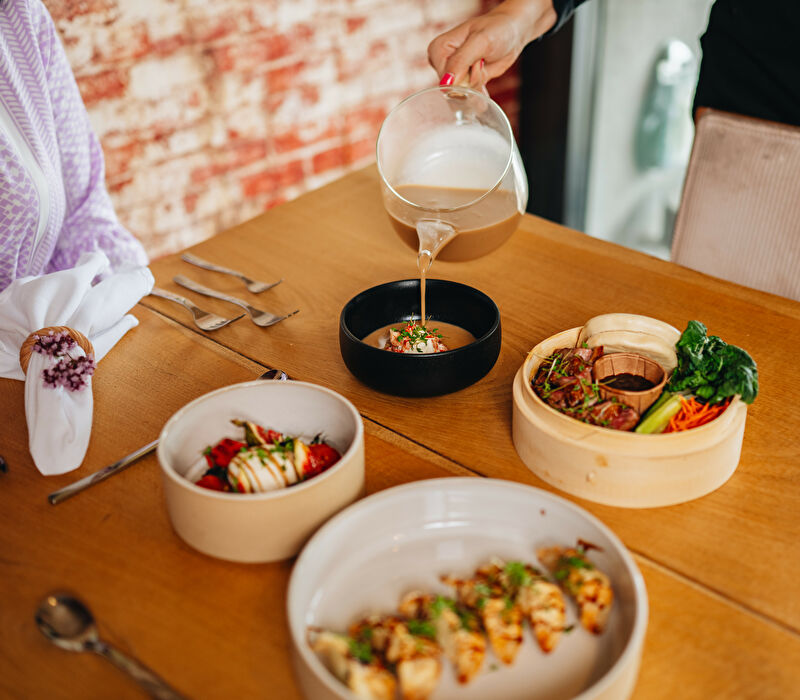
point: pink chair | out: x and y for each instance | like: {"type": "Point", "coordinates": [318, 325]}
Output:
{"type": "Point", "coordinates": [739, 218]}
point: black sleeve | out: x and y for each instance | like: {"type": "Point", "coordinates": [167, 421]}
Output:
{"type": "Point", "coordinates": [751, 60]}
{"type": "Point", "coordinates": [564, 10]}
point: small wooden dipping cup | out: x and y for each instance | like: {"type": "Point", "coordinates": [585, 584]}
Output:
{"type": "Point", "coordinates": [616, 363]}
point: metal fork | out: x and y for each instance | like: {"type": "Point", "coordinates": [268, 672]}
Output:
{"type": "Point", "coordinates": [204, 320]}
{"type": "Point", "coordinates": [259, 317]}
{"type": "Point", "coordinates": [253, 286]}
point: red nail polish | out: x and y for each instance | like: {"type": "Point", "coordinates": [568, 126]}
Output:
{"type": "Point", "coordinates": [447, 80]}
{"type": "Point", "coordinates": [482, 62]}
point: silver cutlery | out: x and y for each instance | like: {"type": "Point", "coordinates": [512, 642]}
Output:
{"type": "Point", "coordinates": [257, 316]}
{"type": "Point", "coordinates": [204, 320]}
{"type": "Point", "coordinates": [102, 474]}
{"type": "Point", "coordinates": [69, 624]}
{"type": "Point", "coordinates": [252, 285]}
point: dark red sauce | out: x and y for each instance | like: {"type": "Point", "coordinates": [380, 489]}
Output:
{"type": "Point", "coordinates": [628, 382]}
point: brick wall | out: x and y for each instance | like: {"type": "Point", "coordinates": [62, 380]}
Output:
{"type": "Point", "coordinates": [211, 112]}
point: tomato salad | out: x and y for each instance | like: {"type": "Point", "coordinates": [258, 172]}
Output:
{"type": "Point", "coordinates": [266, 461]}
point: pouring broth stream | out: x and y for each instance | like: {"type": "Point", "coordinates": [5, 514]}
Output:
{"type": "Point", "coordinates": [463, 234]}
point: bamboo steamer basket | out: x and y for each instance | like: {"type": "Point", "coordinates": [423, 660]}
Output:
{"type": "Point", "coordinates": [620, 468]}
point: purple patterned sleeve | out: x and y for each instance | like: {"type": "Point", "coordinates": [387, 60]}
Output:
{"type": "Point", "coordinates": [89, 222]}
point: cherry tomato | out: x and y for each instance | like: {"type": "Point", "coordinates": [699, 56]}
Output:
{"type": "Point", "coordinates": [269, 436]}
{"type": "Point", "coordinates": [209, 481]}
{"type": "Point", "coordinates": [225, 451]}
{"type": "Point", "coordinates": [322, 457]}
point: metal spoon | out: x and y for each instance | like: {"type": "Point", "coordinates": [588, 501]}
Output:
{"type": "Point", "coordinates": [102, 474]}
{"type": "Point", "coordinates": [69, 624]}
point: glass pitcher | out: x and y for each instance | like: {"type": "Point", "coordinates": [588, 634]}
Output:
{"type": "Point", "coordinates": [452, 178]}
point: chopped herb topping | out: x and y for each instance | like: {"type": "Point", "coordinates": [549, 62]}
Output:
{"type": "Point", "coordinates": [421, 628]}
{"type": "Point", "coordinates": [518, 575]}
{"type": "Point", "coordinates": [360, 651]}
{"type": "Point", "coordinates": [576, 563]}
{"type": "Point", "coordinates": [440, 603]}
{"type": "Point", "coordinates": [483, 589]}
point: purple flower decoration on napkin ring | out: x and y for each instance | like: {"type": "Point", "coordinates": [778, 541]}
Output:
{"type": "Point", "coordinates": [70, 372]}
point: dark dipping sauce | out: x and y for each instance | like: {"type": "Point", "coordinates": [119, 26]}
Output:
{"type": "Point", "coordinates": [628, 382]}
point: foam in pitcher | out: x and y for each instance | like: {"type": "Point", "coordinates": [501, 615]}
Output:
{"type": "Point", "coordinates": [469, 156]}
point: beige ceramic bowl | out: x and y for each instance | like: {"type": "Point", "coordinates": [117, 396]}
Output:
{"type": "Point", "coordinates": [266, 526]}
{"type": "Point", "coordinates": [614, 467]}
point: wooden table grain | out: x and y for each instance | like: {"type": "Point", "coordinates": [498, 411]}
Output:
{"type": "Point", "coordinates": [719, 571]}
{"type": "Point", "coordinates": [337, 241]}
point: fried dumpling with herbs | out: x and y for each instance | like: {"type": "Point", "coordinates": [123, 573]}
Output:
{"type": "Point", "coordinates": [354, 664]}
{"type": "Point", "coordinates": [457, 631]}
{"type": "Point", "coordinates": [500, 615]}
{"type": "Point", "coordinates": [589, 587]}
{"type": "Point", "coordinates": [411, 648]}
{"type": "Point", "coordinates": [539, 600]}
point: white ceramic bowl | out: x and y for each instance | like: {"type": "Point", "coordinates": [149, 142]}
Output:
{"type": "Point", "coordinates": [270, 526]}
{"type": "Point", "coordinates": [404, 538]}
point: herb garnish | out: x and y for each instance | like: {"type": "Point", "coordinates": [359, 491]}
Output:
{"type": "Point", "coordinates": [517, 574]}
{"type": "Point", "coordinates": [421, 628]}
{"type": "Point", "coordinates": [360, 651]}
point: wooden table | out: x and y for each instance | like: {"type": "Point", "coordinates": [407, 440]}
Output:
{"type": "Point", "coordinates": [720, 571]}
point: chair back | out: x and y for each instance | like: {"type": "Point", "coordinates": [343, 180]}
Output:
{"type": "Point", "coordinates": [739, 217]}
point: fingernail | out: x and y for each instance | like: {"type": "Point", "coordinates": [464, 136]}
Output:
{"type": "Point", "coordinates": [482, 62]}
{"type": "Point", "coordinates": [447, 80]}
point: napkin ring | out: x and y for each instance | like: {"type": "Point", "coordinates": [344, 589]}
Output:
{"type": "Point", "coordinates": [26, 348]}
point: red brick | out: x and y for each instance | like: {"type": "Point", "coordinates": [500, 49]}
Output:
{"type": "Point", "coordinates": [168, 45]}
{"type": "Point", "coordinates": [255, 50]}
{"type": "Point", "coordinates": [282, 79]}
{"type": "Point", "coordinates": [128, 42]}
{"type": "Point", "coordinates": [230, 159]}
{"type": "Point", "coordinates": [70, 9]}
{"type": "Point", "coordinates": [118, 185]}
{"type": "Point", "coordinates": [370, 117]}
{"type": "Point", "coordinates": [190, 202]}
{"type": "Point", "coordinates": [332, 158]}
{"type": "Point", "coordinates": [222, 56]}
{"type": "Point", "coordinates": [274, 202]}
{"type": "Point", "coordinates": [292, 140]}
{"type": "Point", "coordinates": [205, 29]}
{"type": "Point", "coordinates": [361, 149]}
{"type": "Point", "coordinates": [353, 24]}
{"type": "Point", "coordinates": [268, 181]}
{"type": "Point", "coordinates": [100, 86]}
{"type": "Point", "coordinates": [118, 159]}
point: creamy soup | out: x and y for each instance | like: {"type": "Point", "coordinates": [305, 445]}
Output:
{"type": "Point", "coordinates": [451, 335]}
{"type": "Point", "coordinates": [452, 235]}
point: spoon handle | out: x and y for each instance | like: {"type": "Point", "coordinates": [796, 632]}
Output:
{"type": "Point", "coordinates": [98, 476]}
{"type": "Point", "coordinates": [154, 685]}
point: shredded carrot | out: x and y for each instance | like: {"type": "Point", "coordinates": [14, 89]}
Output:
{"type": "Point", "coordinates": [694, 413]}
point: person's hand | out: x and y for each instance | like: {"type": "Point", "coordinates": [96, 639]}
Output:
{"type": "Point", "coordinates": [484, 47]}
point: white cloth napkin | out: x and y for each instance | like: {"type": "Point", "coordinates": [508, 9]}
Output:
{"type": "Point", "coordinates": [60, 421]}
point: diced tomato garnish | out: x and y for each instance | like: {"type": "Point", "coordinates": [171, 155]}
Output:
{"type": "Point", "coordinates": [269, 436]}
{"type": "Point", "coordinates": [322, 457]}
{"type": "Point", "coordinates": [209, 481]}
{"type": "Point", "coordinates": [224, 452]}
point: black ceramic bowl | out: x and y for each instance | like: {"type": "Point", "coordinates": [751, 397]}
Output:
{"type": "Point", "coordinates": [420, 375]}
